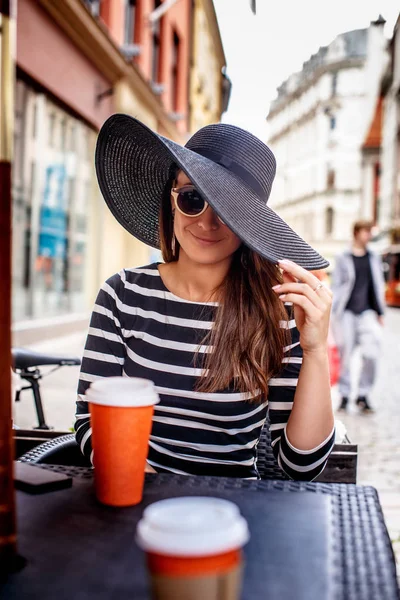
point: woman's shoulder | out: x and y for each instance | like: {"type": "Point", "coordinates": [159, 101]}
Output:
{"type": "Point", "coordinates": [145, 274]}
{"type": "Point", "coordinates": [134, 279]}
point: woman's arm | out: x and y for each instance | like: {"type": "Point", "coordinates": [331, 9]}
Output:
{"type": "Point", "coordinates": [299, 464]}
{"type": "Point", "coordinates": [104, 354]}
{"type": "Point", "coordinates": [308, 434]}
{"type": "Point", "coordinates": [311, 420]}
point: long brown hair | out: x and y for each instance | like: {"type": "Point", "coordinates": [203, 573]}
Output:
{"type": "Point", "coordinates": [247, 339]}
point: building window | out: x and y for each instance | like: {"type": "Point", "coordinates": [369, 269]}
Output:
{"type": "Point", "coordinates": [51, 130]}
{"type": "Point", "coordinates": [175, 73]}
{"type": "Point", "coordinates": [63, 135]}
{"type": "Point", "coordinates": [93, 6]}
{"type": "Point", "coordinates": [330, 179]}
{"type": "Point", "coordinates": [329, 219]}
{"type": "Point", "coordinates": [34, 119]}
{"type": "Point", "coordinates": [50, 215]}
{"type": "Point", "coordinates": [332, 122]}
{"type": "Point", "coordinates": [130, 14]}
{"type": "Point", "coordinates": [334, 83]}
{"type": "Point", "coordinates": [72, 138]}
{"type": "Point", "coordinates": [156, 43]}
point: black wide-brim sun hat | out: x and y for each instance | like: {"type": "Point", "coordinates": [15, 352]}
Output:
{"type": "Point", "coordinates": [231, 168]}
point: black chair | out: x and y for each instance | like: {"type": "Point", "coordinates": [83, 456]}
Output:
{"type": "Point", "coordinates": [267, 464]}
{"type": "Point", "coordinates": [64, 450]}
{"type": "Point", "coordinates": [341, 466]}
{"type": "Point", "coordinates": [61, 450]}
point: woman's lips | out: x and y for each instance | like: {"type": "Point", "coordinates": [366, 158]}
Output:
{"type": "Point", "coordinates": [205, 241]}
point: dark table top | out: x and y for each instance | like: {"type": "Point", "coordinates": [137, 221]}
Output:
{"type": "Point", "coordinates": [330, 543]}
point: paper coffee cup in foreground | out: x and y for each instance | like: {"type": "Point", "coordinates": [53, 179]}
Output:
{"type": "Point", "coordinates": [193, 548]}
{"type": "Point", "coordinates": [121, 413]}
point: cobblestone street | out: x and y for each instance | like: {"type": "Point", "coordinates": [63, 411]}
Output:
{"type": "Point", "coordinates": [377, 435]}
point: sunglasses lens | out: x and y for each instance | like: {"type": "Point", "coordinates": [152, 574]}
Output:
{"type": "Point", "coordinates": [190, 202]}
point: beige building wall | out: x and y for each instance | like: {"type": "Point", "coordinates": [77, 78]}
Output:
{"type": "Point", "coordinates": [207, 62]}
{"type": "Point", "coordinates": [118, 248]}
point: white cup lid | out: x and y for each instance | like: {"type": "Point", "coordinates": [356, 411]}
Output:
{"type": "Point", "coordinates": [122, 392]}
{"type": "Point", "coordinates": [192, 526]}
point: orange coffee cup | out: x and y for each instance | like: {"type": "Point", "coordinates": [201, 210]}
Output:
{"type": "Point", "coordinates": [121, 412]}
{"type": "Point", "coordinates": [193, 548]}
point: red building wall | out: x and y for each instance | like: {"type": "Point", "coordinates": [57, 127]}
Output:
{"type": "Point", "coordinates": [47, 55]}
{"type": "Point", "coordinates": [112, 13]}
{"type": "Point", "coordinates": [177, 19]}
{"type": "Point", "coordinates": [143, 36]}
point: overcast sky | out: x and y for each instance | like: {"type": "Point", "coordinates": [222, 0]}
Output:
{"type": "Point", "coordinates": [262, 50]}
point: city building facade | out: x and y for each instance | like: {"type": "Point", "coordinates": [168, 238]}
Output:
{"type": "Point", "coordinates": [371, 168]}
{"type": "Point", "coordinates": [381, 160]}
{"type": "Point", "coordinates": [78, 62]}
{"type": "Point", "coordinates": [318, 124]}
{"type": "Point", "coordinates": [390, 138]}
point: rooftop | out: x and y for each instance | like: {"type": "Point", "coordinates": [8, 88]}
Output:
{"type": "Point", "coordinates": [348, 45]}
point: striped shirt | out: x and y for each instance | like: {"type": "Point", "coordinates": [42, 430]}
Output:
{"type": "Point", "coordinates": [140, 329]}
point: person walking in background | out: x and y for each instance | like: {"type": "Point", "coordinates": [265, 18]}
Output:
{"type": "Point", "coordinates": [357, 312]}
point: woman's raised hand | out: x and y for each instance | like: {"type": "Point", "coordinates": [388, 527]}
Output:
{"type": "Point", "coordinates": [312, 305]}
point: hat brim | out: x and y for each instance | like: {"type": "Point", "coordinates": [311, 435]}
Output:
{"type": "Point", "coordinates": [133, 165]}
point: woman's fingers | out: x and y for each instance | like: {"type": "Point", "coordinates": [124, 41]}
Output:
{"type": "Point", "coordinates": [301, 289]}
{"type": "Point", "coordinates": [309, 308]}
{"type": "Point", "coordinates": [323, 290]}
{"type": "Point", "coordinates": [293, 272]}
{"type": "Point", "coordinates": [299, 273]}
{"type": "Point", "coordinates": [287, 277]}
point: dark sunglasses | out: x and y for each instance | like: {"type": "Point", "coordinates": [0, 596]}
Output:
{"type": "Point", "coordinates": [189, 202]}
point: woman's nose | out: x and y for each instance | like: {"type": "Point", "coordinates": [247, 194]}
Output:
{"type": "Point", "coordinates": [209, 219]}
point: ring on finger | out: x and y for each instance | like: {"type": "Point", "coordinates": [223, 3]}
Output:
{"type": "Point", "coordinates": [319, 286]}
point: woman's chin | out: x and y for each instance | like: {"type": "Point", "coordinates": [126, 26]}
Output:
{"type": "Point", "coordinates": [206, 256]}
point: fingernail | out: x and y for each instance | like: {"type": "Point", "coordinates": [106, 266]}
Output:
{"type": "Point", "coordinates": [282, 297]}
{"type": "Point", "coordinates": [284, 262]}
{"type": "Point", "coordinates": [276, 287]}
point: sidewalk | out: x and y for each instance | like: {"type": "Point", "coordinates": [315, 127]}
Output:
{"type": "Point", "coordinates": [378, 434]}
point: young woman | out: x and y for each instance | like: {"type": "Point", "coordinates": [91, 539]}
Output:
{"type": "Point", "coordinates": [231, 325]}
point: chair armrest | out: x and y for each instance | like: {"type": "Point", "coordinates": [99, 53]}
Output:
{"type": "Point", "coordinates": [62, 450]}
{"type": "Point", "coordinates": [341, 466]}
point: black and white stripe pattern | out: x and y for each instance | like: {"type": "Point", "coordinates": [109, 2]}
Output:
{"type": "Point", "coordinates": [140, 329]}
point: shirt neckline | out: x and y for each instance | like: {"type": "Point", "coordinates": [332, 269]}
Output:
{"type": "Point", "coordinates": [179, 297]}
